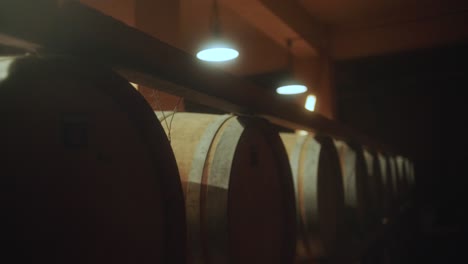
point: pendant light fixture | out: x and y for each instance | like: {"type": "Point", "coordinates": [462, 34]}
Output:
{"type": "Point", "coordinates": [310, 102]}
{"type": "Point", "coordinates": [217, 49]}
{"type": "Point", "coordinates": [290, 85]}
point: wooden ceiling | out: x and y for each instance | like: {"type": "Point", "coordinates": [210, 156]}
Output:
{"type": "Point", "coordinates": [340, 29]}
{"type": "Point", "coordinates": [323, 31]}
{"type": "Point", "coordinates": [344, 28]}
{"type": "Point", "coordinates": [357, 28]}
{"type": "Point", "coordinates": [368, 13]}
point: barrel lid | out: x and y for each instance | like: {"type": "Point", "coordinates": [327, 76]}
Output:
{"type": "Point", "coordinates": [261, 196]}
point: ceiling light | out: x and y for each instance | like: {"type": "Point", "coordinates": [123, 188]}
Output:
{"type": "Point", "coordinates": [310, 102]}
{"type": "Point", "coordinates": [217, 50]}
{"type": "Point", "coordinates": [291, 86]}
{"type": "Point", "coordinates": [291, 89]}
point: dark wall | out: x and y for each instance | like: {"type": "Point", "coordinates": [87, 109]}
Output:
{"type": "Point", "coordinates": [416, 102]}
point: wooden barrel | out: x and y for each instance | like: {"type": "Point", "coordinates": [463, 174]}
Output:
{"type": "Point", "coordinates": [401, 185]}
{"type": "Point", "coordinates": [387, 183]}
{"type": "Point", "coordinates": [238, 188]}
{"type": "Point", "coordinates": [406, 173]}
{"type": "Point", "coordinates": [375, 185]}
{"type": "Point", "coordinates": [394, 181]}
{"type": "Point", "coordinates": [410, 175]}
{"type": "Point", "coordinates": [88, 175]}
{"type": "Point", "coordinates": [356, 189]}
{"type": "Point", "coordinates": [319, 194]}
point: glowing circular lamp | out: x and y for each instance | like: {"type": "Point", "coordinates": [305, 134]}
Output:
{"type": "Point", "coordinates": [217, 54]}
{"type": "Point", "coordinates": [291, 89]}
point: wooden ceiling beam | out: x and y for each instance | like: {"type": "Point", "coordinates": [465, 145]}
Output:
{"type": "Point", "coordinates": [267, 22]}
{"type": "Point", "coordinates": [295, 16]}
